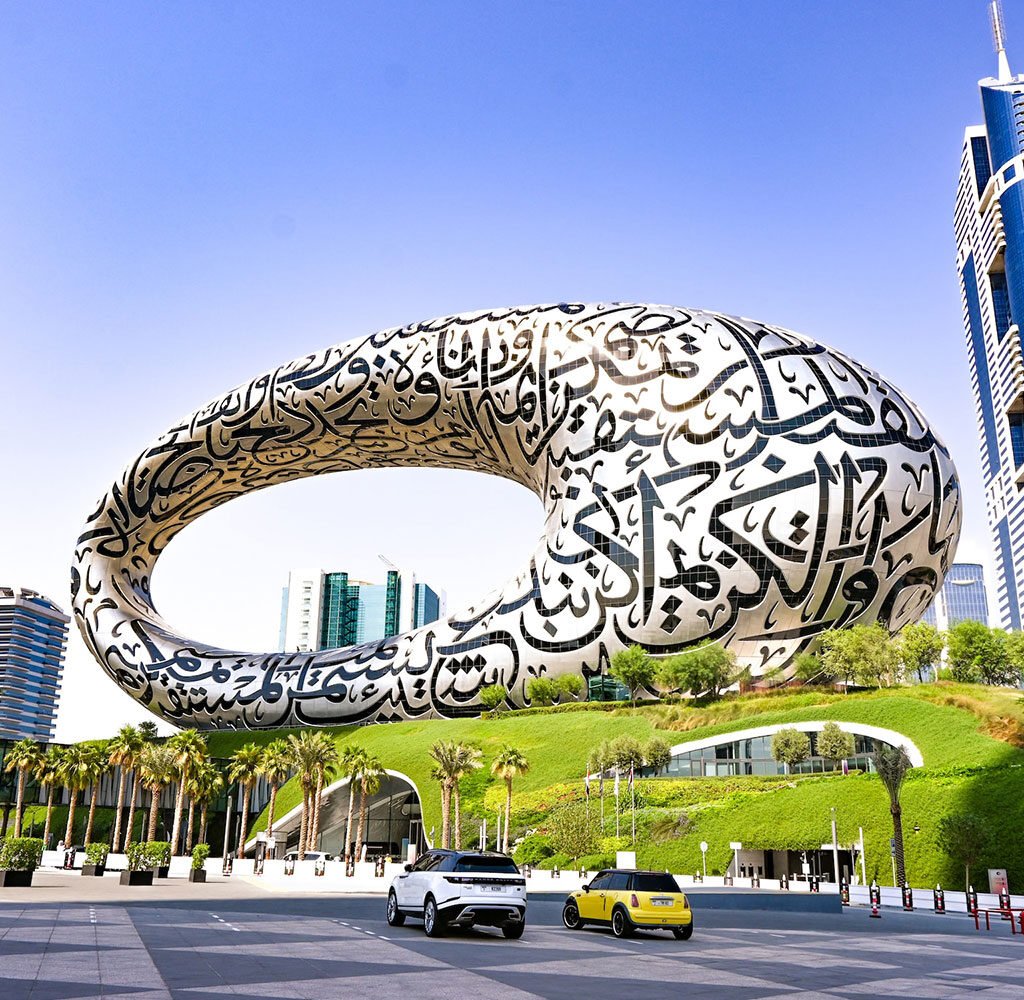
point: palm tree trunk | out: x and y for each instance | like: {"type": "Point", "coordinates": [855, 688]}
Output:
{"type": "Point", "coordinates": [243, 828]}
{"type": "Point", "coordinates": [362, 823]}
{"type": "Point", "coordinates": [315, 835]}
{"type": "Point", "coordinates": [897, 829]}
{"type": "Point", "coordinates": [120, 807]}
{"type": "Point", "coordinates": [71, 818]}
{"type": "Point", "coordinates": [446, 810]}
{"type": "Point", "coordinates": [202, 824]}
{"type": "Point", "coordinates": [92, 814]}
{"type": "Point", "coordinates": [22, 775]}
{"type": "Point", "coordinates": [303, 823]}
{"type": "Point", "coordinates": [457, 819]}
{"type": "Point", "coordinates": [49, 816]}
{"type": "Point", "coordinates": [348, 821]}
{"type": "Point", "coordinates": [131, 810]}
{"type": "Point", "coordinates": [190, 826]}
{"type": "Point", "coordinates": [508, 811]}
{"type": "Point", "coordinates": [154, 806]}
{"type": "Point", "coordinates": [179, 804]}
{"type": "Point", "coordinates": [270, 812]}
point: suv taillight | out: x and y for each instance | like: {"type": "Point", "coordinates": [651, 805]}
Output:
{"type": "Point", "coordinates": [634, 902]}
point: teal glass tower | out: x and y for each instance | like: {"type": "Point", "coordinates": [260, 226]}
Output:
{"type": "Point", "coordinates": [989, 227]}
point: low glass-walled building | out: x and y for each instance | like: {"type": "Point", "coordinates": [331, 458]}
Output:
{"type": "Point", "coordinates": [750, 753]}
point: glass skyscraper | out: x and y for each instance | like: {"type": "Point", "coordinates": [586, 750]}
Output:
{"type": "Point", "coordinates": [328, 610]}
{"type": "Point", "coordinates": [33, 636]}
{"type": "Point", "coordinates": [989, 226]}
{"type": "Point", "coordinates": [962, 598]}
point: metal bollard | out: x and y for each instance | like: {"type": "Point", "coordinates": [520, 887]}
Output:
{"type": "Point", "coordinates": [227, 866]}
{"type": "Point", "coordinates": [875, 895]}
{"type": "Point", "coordinates": [815, 884]}
{"type": "Point", "coordinates": [289, 866]}
{"type": "Point", "coordinates": [939, 900]}
{"type": "Point", "coordinates": [844, 893]}
{"type": "Point", "coordinates": [528, 871]}
{"type": "Point", "coordinates": [727, 880]}
{"type": "Point", "coordinates": [555, 873]}
{"type": "Point", "coordinates": [755, 882]}
{"type": "Point", "coordinates": [972, 899]}
{"type": "Point", "coordinates": [1004, 903]}
{"type": "Point", "coordinates": [350, 868]}
{"type": "Point", "coordinates": [320, 866]}
{"type": "Point", "coordinates": [908, 896]}
{"type": "Point", "coordinates": [784, 883]}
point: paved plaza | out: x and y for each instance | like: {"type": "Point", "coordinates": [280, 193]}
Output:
{"type": "Point", "coordinates": [70, 937]}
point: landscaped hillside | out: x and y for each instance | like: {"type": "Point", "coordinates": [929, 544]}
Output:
{"type": "Point", "coordinates": [970, 737]}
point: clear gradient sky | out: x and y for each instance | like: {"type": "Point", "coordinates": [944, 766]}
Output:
{"type": "Point", "coordinates": [192, 193]}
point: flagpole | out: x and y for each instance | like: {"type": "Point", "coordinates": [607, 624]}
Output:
{"type": "Point", "coordinates": [632, 797]}
{"type": "Point", "coordinates": [616, 802]}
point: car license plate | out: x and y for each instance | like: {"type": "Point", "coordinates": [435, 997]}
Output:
{"type": "Point", "coordinates": [661, 902]}
{"type": "Point", "coordinates": [494, 888]}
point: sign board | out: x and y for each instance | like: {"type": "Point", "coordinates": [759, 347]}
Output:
{"type": "Point", "coordinates": [703, 846]}
{"type": "Point", "coordinates": [997, 881]}
{"type": "Point", "coordinates": [625, 859]}
{"type": "Point", "coordinates": [735, 845]}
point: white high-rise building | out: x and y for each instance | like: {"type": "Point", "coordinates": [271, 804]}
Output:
{"type": "Point", "coordinates": [989, 226]}
{"type": "Point", "coordinates": [329, 609]}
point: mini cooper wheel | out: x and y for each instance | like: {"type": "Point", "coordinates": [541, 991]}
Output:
{"type": "Point", "coordinates": [571, 916]}
{"type": "Point", "coordinates": [514, 930]}
{"type": "Point", "coordinates": [395, 916]}
{"type": "Point", "coordinates": [683, 933]}
{"type": "Point", "coordinates": [431, 918]}
{"type": "Point", "coordinates": [622, 926]}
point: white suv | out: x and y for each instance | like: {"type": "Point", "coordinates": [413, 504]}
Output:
{"type": "Point", "coordinates": [460, 888]}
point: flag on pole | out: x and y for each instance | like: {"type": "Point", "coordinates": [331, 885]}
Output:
{"type": "Point", "coordinates": [616, 782]}
{"type": "Point", "coordinates": [600, 783]}
{"type": "Point", "coordinates": [586, 785]}
{"type": "Point", "coordinates": [846, 767]}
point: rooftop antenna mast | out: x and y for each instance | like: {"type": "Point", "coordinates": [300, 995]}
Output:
{"type": "Point", "coordinates": [995, 13]}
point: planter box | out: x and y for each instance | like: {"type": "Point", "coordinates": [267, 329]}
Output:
{"type": "Point", "coordinates": [11, 879]}
{"type": "Point", "coordinates": [162, 872]}
{"type": "Point", "coordinates": [93, 869]}
{"type": "Point", "coordinates": [137, 878]}
{"type": "Point", "coordinates": [195, 875]}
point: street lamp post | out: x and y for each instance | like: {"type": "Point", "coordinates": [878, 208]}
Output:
{"type": "Point", "coordinates": [704, 856]}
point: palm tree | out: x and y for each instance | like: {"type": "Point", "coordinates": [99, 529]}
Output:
{"type": "Point", "coordinates": [157, 768]}
{"type": "Point", "coordinates": [98, 766]}
{"type": "Point", "coordinates": [76, 772]}
{"type": "Point", "coordinates": [245, 770]}
{"type": "Point", "coordinates": [23, 757]}
{"type": "Point", "coordinates": [445, 754]}
{"type": "Point", "coordinates": [351, 760]}
{"type": "Point", "coordinates": [189, 749]}
{"type": "Point", "coordinates": [892, 764]}
{"type": "Point", "coordinates": [370, 776]}
{"type": "Point", "coordinates": [148, 730]}
{"type": "Point", "coordinates": [123, 752]}
{"type": "Point", "coordinates": [326, 759]}
{"type": "Point", "coordinates": [508, 765]}
{"type": "Point", "coordinates": [305, 753]}
{"type": "Point", "coordinates": [275, 766]}
{"type": "Point", "coordinates": [468, 761]}
{"type": "Point", "coordinates": [48, 774]}
{"type": "Point", "coordinates": [204, 785]}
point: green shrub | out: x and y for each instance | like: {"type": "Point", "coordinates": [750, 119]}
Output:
{"type": "Point", "coordinates": [155, 854]}
{"type": "Point", "coordinates": [493, 697]}
{"type": "Point", "coordinates": [542, 691]}
{"type": "Point", "coordinates": [533, 849]}
{"type": "Point", "coordinates": [570, 685]}
{"type": "Point", "coordinates": [199, 855]}
{"type": "Point", "coordinates": [21, 854]}
{"type": "Point", "coordinates": [96, 853]}
{"type": "Point", "coordinates": [555, 861]}
{"type": "Point", "coordinates": [595, 862]}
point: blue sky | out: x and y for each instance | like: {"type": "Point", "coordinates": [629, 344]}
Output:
{"type": "Point", "coordinates": [193, 193]}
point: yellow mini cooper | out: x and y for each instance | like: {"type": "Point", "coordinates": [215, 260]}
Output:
{"type": "Point", "coordinates": [627, 900]}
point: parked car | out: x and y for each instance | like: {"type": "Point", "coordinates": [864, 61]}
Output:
{"type": "Point", "coordinates": [628, 900]}
{"type": "Point", "coordinates": [462, 889]}
{"type": "Point", "coordinates": [308, 856]}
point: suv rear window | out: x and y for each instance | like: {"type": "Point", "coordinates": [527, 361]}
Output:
{"type": "Point", "coordinates": [482, 863]}
{"type": "Point", "coordinates": [648, 882]}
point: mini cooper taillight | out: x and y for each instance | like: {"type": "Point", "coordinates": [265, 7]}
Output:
{"type": "Point", "coordinates": [686, 903]}
{"type": "Point", "coordinates": [634, 902]}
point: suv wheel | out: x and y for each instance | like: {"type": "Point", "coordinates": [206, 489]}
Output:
{"type": "Point", "coordinates": [431, 918]}
{"type": "Point", "coordinates": [571, 916]}
{"type": "Point", "coordinates": [622, 926]}
{"type": "Point", "coordinates": [514, 931]}
{"type": "Point", "coordinates": [395, 916]}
